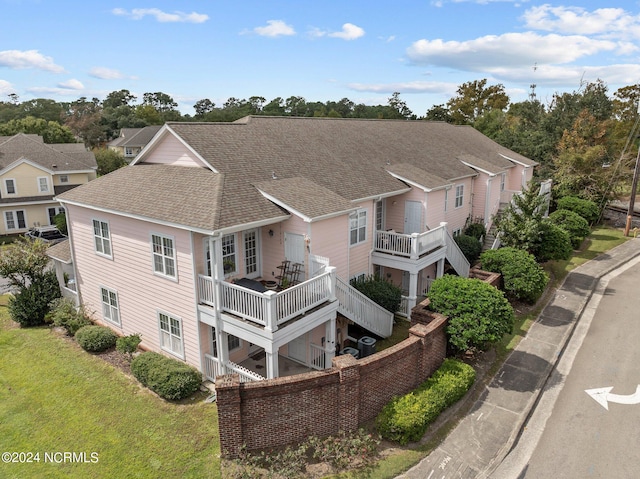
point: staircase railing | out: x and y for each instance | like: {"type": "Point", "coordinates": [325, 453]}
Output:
{"type": "Point", "coordinates": [362, 310]}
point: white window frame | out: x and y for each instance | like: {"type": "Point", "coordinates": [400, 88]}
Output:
{"type": "Point", "coordinates": [45, 184]}
{"type": "Point", "coordinates": [358, 225]}
{"type": "Point", "coordinates": [459, 196]}
{"type": "Point", "coordinates": [110, 307]}
{"type": "Point", "coordinates": [102, 243]}
{"type": "Point", "coordinates": [58, 209]}
{"type": "Point", "coordinates": [164, 259]}
{"type": "Point", "coordinates": [15, 220]}
{"type": "Point", "coordinates": [63, 178]}
{"type": "Point", "coordinates": [169, 341]}
{"type": "Point", "coordinates": [14, 185]}
{"type": "Point", "coordinates": [229, 254]}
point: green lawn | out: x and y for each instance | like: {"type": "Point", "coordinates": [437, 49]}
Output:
{"type": "Point", "coordinates": [56, 398]}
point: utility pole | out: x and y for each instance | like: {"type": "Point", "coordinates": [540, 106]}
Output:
{"type": "Point", "coordinates": [632, 199]}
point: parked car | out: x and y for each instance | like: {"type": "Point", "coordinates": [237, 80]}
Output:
{"type": "Point", "coordinates": [48, 234]}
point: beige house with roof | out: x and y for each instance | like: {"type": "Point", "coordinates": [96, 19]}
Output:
{"type": "Point", "coordinates": [231, 246]}
{"type": "Point", "coordinates": [32, 173]}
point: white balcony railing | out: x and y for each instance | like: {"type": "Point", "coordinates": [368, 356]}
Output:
{"type": "Point", "coordinates": [317, 359]}
{"type": "Point", "coordinates": [413, 245]}
{"type": "Point", "coordinates": [213, 367]}
{"type": "Point", "coordinates": [269, 309]}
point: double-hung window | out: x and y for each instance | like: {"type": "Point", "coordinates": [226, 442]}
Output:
{"type": "Point", "coordinates": [164, 255]}
{"type": "Point", "coordinates": [229, 254]}
{"type": "Point", "coordinates": [171, 334]}
{"type": "Point", "coordinates": [102, 237]}
{"type": "Point", "coordinates": [357, 227]}
{"type": "Point", "coordinates": [10, 186]}
{"type": "Point", "coordinates": [110, 310]}
{"type": "Point", "coordinates": [15, 220]}
{"type": "Point", "coordinates": [459, 195]}
{"type": "Point", "coordinates": [43, 184]}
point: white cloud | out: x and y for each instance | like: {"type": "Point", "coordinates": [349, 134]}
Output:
{"type": "Point", "coordinates": [507, 50]}
{"type": "Point", "coordinates": [160, 16]}
{"type": "Point", "coordinates": [20, 60]}
{"type": "Point", "coordinates": [6, 88]}
{"type": "Point", "coordinates": [104, 73]}
{"type": "Point", "coordinates": [349, 32]}
{"type": "Point", "coordinates": [405, 87]}
{"type": "Point", "coordinates": [71, 84]}
{"type": "Point", "coordinates": [275, 28]}
{"type": "Point", "coordinates": [609, 22]}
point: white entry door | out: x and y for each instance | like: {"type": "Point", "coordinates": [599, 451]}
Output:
{"type": "Point", "coordinates": [294, 250]}
{"type": "Point", "coordinates": [412, 217]}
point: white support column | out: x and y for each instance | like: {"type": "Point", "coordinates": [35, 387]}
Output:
{"type": "Point", "coordinates": [271, 362]}
{"type": "Point", "coordinates": [217, 272]}
{"type": "Point", "coordinates": [413, 291]}
{"type": "Point", "coordinates": [330, 342]}
{"type": "Point", "coordinates": [440, 268]}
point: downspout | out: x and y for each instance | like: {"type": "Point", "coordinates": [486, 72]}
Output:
{"type": "Point", "coordinates": [195, 285]}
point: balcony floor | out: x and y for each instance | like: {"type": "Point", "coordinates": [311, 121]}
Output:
{"type": "Point", "coordinates": [286, 366]}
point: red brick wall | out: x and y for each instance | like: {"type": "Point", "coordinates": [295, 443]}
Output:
{"type": "Point", "coordinates": [287, 410]}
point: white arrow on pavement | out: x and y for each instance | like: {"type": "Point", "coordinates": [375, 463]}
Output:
{"type": "Point", "coordinates": [603, 396]}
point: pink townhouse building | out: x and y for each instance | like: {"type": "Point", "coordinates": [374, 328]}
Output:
{"type": "Point", "coordinates": [231, 246]}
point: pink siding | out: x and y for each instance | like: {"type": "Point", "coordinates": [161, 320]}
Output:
{"type": "Point", "coordinates": [141, 293]}
{"type": "Point", "coordinates": [171, 151]}
{"type": "Point", "coordinates": [330, 238]}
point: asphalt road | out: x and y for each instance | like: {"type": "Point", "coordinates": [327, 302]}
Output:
{"type": "Point", "coordinates": [573, 435]}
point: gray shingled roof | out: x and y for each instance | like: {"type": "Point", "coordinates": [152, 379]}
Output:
{"type": "Point", "coordinates": [56, 156]}
{"type": "Point", "coordinates": [337, 161]}
{"type": "Point", "coordinates": [305, 196]}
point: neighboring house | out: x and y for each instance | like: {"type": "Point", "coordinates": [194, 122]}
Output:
{"type": "Point", "coordinates": [179, 245]}
{"type": "Point", "coordinates": [32, 173]}
{"type": "Point", "coordinates": [132, 140]}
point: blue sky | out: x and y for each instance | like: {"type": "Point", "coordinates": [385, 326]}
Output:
{"type": "Point", "coordinates": [320, 50]}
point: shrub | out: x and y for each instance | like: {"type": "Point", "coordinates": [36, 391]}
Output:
{"type": "Point", "coordinates": [30, 305]}
{"type": "Point", "coordinates": [555, 243]}
{"type": "Point", "coordinates": [522, 277]}
{"type": "Point", "coordinates": [405, 419]}
{"type": "Point", "coordinates": [477, 230]}
{"type": "Point", "coordinates": [95, 339]}
{"type": "Point", "coordinates": [470, 247]}
{"type": "Point", "coordinates": [65, 314]}
{"type": "Point", "coordinates": [572, 223]}
{"type": "Point", "coordinates": [380, 291]}
{"type": "Point", "coordinates": [169, 378]}
{"type": "Point", "coordinates": [128, 344]}
{"type": "Point", "coordinates": [479, 314]}
{"type": "Point", "coordinates": [585, 208]}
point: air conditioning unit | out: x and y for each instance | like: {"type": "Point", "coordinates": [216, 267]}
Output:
{"type": "Point", "coordinates": [366, 346]}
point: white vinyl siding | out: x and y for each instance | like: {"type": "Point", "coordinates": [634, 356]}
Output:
{"type": "Point", "coordinates": [171, 334]}
{"type": "Point", "coordinates": [102, 238]}
{"type": "Point", "coordinates": [164, 255]}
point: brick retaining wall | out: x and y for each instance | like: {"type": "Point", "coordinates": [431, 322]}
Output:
{"type": "Point", "coordinates": [281, 411]}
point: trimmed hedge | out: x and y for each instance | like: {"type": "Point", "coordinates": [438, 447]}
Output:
{"type": "Point", "coordinates": [95, 339]}
{"type": "Point", "coordinates": [406, 418]}
{"type": "Point", "coordinates": [522, 278]}
{"type": "Point", "coordinates": [169, 378]}
{"type": "Point", "coordinates": [479, 314]}
{"type": "Point", "coordinates": [572, 223]}
{"type": "Point", "coordinates": [470, 247]}
{"type": "Point", "coordinates": [380, 291]}
{"type": "Point", "coordinates": [587, 209]}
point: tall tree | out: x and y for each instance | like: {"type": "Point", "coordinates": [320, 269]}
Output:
{"type": "Point", "coordinates": [474, 99]}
